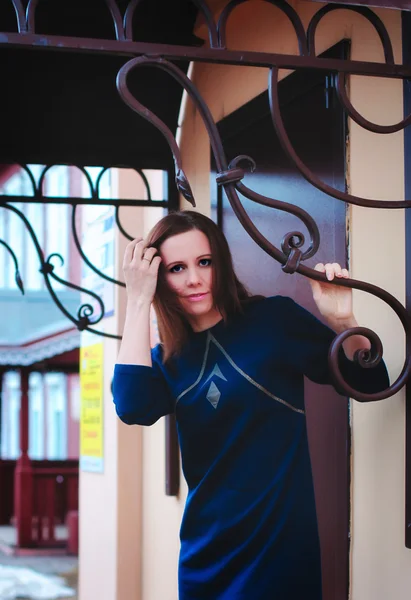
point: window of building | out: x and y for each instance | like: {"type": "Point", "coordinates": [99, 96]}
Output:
{"type": "Point", "coordinates": [36, 416]}
{"type": "Point", "coordinates": [56, 386]}
{"type": "Point", "coordinates": [10, 421]}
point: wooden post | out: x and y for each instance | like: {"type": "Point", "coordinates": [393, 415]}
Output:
{"type": "Point", "coordinates": [23, 477]}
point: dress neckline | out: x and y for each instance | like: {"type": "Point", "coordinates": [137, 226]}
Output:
{"type": "Point", "coordinates": [211, 329]}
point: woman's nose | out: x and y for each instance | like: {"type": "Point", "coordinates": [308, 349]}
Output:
{"type": "Point", "coordinates": [193, 277]}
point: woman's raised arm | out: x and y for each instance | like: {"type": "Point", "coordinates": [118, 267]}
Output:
{"type": "Point", "coordinates": [140, 268]}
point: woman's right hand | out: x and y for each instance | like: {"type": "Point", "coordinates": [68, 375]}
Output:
{"type": "Point", "coordinates": [140, 267]}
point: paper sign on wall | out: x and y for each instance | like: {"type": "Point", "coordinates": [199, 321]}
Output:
{"type": "Point", "coordinates": [91, 421]}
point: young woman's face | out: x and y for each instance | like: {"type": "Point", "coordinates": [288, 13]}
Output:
{"type": "Point", "coordinates": [187, 261]}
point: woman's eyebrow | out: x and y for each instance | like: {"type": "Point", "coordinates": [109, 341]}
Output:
{"type": "Point", "coordinates": [175, 262]}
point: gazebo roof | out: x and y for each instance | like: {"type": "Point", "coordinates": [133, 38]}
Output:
{"type": "Point", "coordinates": [58, 350]}
{"type": "Point", "coordinates": [33, 328]}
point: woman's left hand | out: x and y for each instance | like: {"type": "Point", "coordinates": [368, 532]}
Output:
{"type": "Point", "coordinates": [334, 302]}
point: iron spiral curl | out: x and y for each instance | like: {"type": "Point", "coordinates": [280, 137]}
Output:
{"type": "Point", "coordinates": [367, 359]}
{"type": "Point", "coordinates": [86, 310]}
{"type": "Point", "coordinates": [300, 213]}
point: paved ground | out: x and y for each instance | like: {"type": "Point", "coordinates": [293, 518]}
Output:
{"type": "Point", "coordinates": [65, 566]}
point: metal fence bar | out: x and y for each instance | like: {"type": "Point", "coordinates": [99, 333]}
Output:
{"type": "Point", "coordinates": [210, 55]}
{"type": "Point", "coordinates": [81, 201]}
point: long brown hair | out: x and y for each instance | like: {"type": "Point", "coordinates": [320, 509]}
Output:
{"type": "Point", "coordinates": [229, 294]}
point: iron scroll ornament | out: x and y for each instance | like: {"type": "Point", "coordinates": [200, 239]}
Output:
{"type": "Point", "coordinates": [291, 255]}
{"type": "Point", "coordinates": [86, 311]}
{"type": "Point", "coordinates": [304, 170]}
{"type": "Point", "coordinates": [85, 319]}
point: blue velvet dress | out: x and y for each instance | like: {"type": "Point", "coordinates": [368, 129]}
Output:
{"type": "Point", "coordinates": [249, 530]}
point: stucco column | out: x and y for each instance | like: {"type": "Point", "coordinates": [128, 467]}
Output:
{"type": "Point", "coordinates": [110, 503]}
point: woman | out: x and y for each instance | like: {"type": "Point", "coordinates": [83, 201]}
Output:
{"type": "Point", "coordinates": [231, 367]}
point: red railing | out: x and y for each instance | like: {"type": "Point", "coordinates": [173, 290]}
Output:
{"type": "Point", "coordinates": [55, 493]}
{"type": "Point", "coordinates": [54, 485]}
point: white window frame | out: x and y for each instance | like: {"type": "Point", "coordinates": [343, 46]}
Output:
{"type": "Point", "coordinates": [56, 384]}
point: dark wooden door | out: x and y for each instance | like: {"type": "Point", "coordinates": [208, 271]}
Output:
{"type": "Point", "coordinates": [316, 126]}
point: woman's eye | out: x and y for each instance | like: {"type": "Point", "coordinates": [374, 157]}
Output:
{"type": "Point", "coordinates": [205, 262]}
{"type": "Point", "coordinates": [176, 269]}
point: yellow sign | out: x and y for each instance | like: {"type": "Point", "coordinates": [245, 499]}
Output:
{"type": "Point", "coordinates": [91, 420]}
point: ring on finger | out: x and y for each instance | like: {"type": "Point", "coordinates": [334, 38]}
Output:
{"type": "Point", "coordinates": [147, 259]}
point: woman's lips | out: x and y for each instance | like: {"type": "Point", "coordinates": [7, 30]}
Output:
{"type": "Point", "coordinates": [196, 297]}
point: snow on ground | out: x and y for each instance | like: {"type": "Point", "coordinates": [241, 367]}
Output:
{"type": "Point", "coordinates": [21, 582]}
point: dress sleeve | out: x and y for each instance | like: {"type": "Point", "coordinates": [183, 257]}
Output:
{"type": "Point", "coordinates": [141, 394]}
{"type": "Point", "coordinates": [307, 345]}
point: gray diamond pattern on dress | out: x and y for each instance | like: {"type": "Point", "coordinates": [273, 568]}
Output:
{"type": "Point", "coordinates": [213, 395]}
{"type": "Point", "coordinates": [216, 371]}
